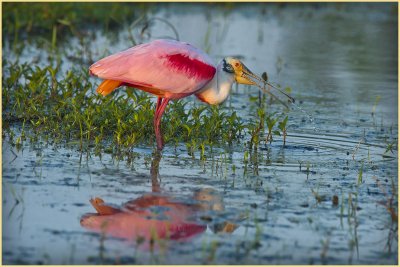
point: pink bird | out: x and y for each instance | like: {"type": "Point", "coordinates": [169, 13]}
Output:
{"type": "Point", "coordinates": [171, 70]}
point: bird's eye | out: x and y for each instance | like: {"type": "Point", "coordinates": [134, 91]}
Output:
{"type": "Point", "coordinates": [228, 67]}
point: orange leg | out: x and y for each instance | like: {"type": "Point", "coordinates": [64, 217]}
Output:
{"type": "Point", "coordinates": [160, 108]}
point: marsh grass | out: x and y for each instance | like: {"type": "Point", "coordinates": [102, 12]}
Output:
{"type": "Point", "coordinates": [57, 20]}
{"type": "Point", "coordinates": [65, 109]}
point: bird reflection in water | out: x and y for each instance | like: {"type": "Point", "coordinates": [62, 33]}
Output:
{"type": "Point", "coordinates": [156, 216]}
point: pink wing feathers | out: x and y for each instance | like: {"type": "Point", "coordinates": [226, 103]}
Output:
{"type": "Point", "coordinates": [177, 69]}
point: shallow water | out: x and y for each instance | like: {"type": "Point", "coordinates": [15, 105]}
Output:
{"type": "Point", "coordinates": [272, 206]}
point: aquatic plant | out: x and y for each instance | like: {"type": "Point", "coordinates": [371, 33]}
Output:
{"type": "Point", "coordinates": [391, 198]}
{"type": "Point", "coordinates": [270, 125]}
{"type": "Point", "coordinates": [283, 128]}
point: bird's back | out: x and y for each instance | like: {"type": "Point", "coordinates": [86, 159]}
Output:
{"type": "Point", "coordinates": [172, 68]}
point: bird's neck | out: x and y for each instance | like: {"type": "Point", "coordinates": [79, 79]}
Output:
{"type": "Point", "coordinates": [217, 90]}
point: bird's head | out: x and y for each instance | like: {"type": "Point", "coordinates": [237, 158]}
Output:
{"type": "Point", "coordinates": [241, 73]}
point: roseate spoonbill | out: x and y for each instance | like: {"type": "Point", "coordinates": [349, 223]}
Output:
{"type": "Point", "coordinates": [169, 70]}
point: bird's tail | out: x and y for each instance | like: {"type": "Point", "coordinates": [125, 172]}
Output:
{"type": "Point", "coordinates": [107, 86]}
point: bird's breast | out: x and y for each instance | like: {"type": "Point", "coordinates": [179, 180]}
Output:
{"type": "Point", "coordinates": [215, 92]}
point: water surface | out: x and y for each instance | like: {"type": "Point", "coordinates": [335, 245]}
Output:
{"type": "Point", "coordinates": [271, 206]}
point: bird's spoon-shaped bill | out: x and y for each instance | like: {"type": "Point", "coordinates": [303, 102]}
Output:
{"type": "Point", "coordinates": [254, 79]}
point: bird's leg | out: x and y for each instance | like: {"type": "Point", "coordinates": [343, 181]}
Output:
{"type": "Point", "coordinates": [159, 101]}
{"type": "Point", "coordinates": [157, 120]}
{"type": "Point", "coordinates": [157, 115]}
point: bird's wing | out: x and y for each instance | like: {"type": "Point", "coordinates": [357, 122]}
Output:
{"type": "Point", "coordinates": [173, 67]}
